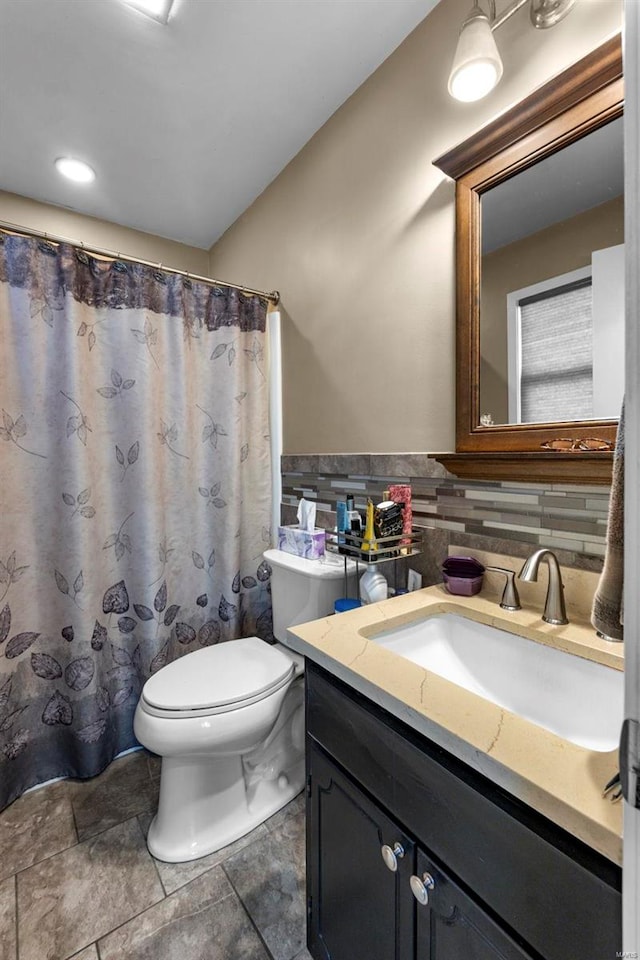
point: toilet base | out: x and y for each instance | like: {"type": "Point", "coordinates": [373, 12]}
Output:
{"type": "Point", "coordinates": [205, 806]}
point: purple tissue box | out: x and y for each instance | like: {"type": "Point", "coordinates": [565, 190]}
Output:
{"type": "Point", "coordinates": [301, 543]}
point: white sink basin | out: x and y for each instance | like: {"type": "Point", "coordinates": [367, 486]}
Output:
{"type": "Point", "coordinates": [577, 699]}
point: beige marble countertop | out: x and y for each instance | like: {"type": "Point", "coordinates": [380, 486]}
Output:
{"type": "Point", "coordinates": [554, 776]}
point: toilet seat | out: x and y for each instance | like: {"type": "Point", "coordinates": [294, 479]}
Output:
{"type": "Point", "coordinates": [217, 679]}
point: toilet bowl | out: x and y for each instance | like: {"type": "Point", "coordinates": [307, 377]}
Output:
{"type": "Point", "coordinates": [228, 722]}
{"type": "Point", "coordinates": [202, 714]}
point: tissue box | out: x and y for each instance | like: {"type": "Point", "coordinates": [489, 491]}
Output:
{"type": "Point", "coordinates": [301, 543]}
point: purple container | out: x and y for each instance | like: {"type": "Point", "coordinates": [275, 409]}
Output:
{"type": "Point", "coordinates": [462, 576]}
{"type": "Point", "coordinates": [461, 586]}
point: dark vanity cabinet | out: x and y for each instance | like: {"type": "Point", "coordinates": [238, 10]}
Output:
{"type": "Point", "coordinates": [411, 855]}
{"type": "Point", "coordinates": [452, 925]}
{"type": "Point", "coordinates": [363, 909]}
{"type": "Point", "coordinates": [366, 908]}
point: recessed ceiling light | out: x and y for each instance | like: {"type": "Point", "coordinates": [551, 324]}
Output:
{"type": "Point", "coordinates": [156, 9]}
{"type": "Point", "coordinates": [76, 170]}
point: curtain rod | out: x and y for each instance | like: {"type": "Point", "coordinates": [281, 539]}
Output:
{"type": "Point", "coordinates": [274, 296]}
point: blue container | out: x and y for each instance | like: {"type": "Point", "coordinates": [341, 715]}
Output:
{"type": "Point", "coordinates": [344, 604]}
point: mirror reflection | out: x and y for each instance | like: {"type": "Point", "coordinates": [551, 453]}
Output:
{"type": "Point", "coordinates": [552, 287]}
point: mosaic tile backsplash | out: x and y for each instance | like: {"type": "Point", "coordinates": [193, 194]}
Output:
{"type": "Point", "coordinates": [501, 516]}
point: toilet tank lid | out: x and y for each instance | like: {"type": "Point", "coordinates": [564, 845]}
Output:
{"type": "Point", "coordinates": [218, 676]}
{"type": "Point", "coordinates": [329, 567]}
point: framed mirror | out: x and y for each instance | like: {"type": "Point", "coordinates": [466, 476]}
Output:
{"type": "Point", "coordinates": [540, 280]}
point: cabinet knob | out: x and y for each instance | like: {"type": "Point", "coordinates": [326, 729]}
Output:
{"type": "Point", "coordinates": [420, 887]}
{"type": "Point", "coordinates": [391, 855]}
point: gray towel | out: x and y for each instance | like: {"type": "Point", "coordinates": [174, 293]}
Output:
{"type": "Point", "coordinates": [607, 612]}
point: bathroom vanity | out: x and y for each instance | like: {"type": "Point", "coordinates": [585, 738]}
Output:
{"type": "Point", "coordinates": [430, 834]}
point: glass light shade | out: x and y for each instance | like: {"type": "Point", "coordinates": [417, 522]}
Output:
{"type": "Point", "coordinates": [477, 66]}
{"type": "Point", "coordinates": [159, 10]}
{"type": "Point", "coordinates": [76, 170]}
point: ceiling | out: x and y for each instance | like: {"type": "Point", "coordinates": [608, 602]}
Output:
{"type": "Point", "coordinates": [185, 124]}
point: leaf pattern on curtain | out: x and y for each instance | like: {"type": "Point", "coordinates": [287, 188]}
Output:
{"type": "Point", "coordinates": [135, 470]}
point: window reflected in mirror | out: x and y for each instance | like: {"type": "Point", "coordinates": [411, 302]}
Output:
{"type": "Point", "coordinates": [552, 287]}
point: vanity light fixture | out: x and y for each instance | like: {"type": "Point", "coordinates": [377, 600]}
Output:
{"type": "Point", "coordinates": [477, 66]}
{"type": "Point", "coordinates": [159, 10]}
{"type": "Point", "coordinates": [76, 170]}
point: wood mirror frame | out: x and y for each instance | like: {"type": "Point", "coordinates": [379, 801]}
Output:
{"type": "Point", "coordinates": [582, 98]}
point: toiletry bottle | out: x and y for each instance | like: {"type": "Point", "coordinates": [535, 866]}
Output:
{"type": "Point", "coordinates": [354, 518]}
{"type": "Point", "coordinates": [342, 522]}
{"type": "Point", "coordinates": [369, 544]}
{"type": "Point", "coordinates": [373, 586]}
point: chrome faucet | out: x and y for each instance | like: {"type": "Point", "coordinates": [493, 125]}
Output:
{"type": "Point", "coordinates": [554, 608]}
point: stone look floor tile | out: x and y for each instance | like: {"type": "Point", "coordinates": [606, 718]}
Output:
{"type": "Point", "coordinates": [154, 764]}
{"type": "Point", "coordinates": [67, 902]}
{"type": "Point", "coordinates": [176, 875]}
{"type": "Point", "coordinates": [202, 921]}
{"type": "Point", "coordinates": [292, 809]}
{"type": "Point", "coordinates": [8, 919]}
{"type": "Point", "coordinates": [70, 895]}
{"type": "Point", "coordinates": [122, 791]}
{"type": "Point", "coordinates": [36, 826]}
{"type": "Point", "coordinates": [269, 878]}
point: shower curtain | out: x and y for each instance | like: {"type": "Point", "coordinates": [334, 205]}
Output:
{"type": "Point", "coordinates": [134, 491]}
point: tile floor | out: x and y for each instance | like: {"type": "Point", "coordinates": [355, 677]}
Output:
{"type": "Point", "coordinates": [77, 880]}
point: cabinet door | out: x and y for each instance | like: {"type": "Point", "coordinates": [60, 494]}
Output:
{"type": "Point", "coordinates": [453, 927]}
{"type": "Point", "coordinates": [358, 908]}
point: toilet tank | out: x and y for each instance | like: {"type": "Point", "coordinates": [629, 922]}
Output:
{"type": "Point", "coordinates": [303, 590]}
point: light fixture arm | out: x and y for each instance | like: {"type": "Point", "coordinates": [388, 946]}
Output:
{"type": "Point", "coordinates": [543, 13]}
{"type": "Point", "coordinates": [496, 22]}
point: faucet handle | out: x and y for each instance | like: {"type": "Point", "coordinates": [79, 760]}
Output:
{"type": "Point", "coordinates": [510, 599]}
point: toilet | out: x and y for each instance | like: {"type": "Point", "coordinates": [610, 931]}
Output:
{"type": "Point", "coordinates": [228, 720]}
